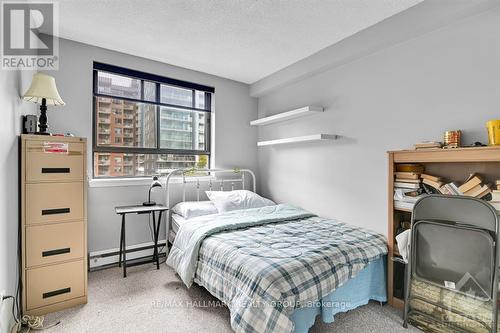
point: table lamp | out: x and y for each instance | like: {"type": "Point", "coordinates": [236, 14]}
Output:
{"type": "Point", "coordinates": [43, 91]}
{"type": "Point", "coordinates": [155, 183]}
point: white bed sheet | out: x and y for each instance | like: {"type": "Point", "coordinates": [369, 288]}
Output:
{"type": "Point", "coordinates": [177, 221]}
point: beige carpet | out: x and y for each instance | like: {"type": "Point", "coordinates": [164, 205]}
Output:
{"type": "Point", "coordinates": [149, 300]}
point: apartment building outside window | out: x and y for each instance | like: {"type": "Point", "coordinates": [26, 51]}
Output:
{"type": "Point", "coordinates": [146, 124]}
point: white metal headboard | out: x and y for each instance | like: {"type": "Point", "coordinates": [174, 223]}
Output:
{"type": "Point", "coordinates": [206, 176]}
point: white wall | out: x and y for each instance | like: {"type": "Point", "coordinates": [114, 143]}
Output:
{"type": "Point", "coordinates": [234, 146]}
{"type": "Point", "coordinates": [12, 85]}
{"type": "Point", "coordinates": [413, 91]}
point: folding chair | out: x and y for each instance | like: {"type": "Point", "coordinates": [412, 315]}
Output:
{"type": "Point", "coordinates": [453, 261]}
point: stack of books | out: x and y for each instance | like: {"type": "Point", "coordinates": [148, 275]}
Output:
{"type": "Point", "coordinates": [407, 185]}
{"type": "Point", "coordinates": [431, 184]}
{"type": "Point", "coordinates": [428, 145]}
{"type": "Point", "coordinates": [472, 187]}
{"type": "Point", "coordinates": [411, 183]}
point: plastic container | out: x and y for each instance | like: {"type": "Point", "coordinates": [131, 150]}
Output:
{"type": "Point", "coordinates": [452, 139]}
{"type": "Point", "coordinates": [493, 127]}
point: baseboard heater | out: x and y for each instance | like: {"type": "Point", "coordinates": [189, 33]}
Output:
{"type": "Point", "coordinates": [109, 258]}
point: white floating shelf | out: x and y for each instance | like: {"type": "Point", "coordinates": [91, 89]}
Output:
{"type": "Point", "coordinates": [306, 110]}
{"type": "Point", "coordinates": [297, 139]}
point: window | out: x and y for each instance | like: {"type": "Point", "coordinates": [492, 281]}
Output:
{"type": "Point", "coordinates": [146, 124]}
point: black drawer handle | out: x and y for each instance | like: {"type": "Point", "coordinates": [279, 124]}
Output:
{"type": "Point", "coordinates": [56, 292]}
{"type": "Point", "coordinates": [55, 211]}
{"type": "Point", "coordinates": [56, 252]}
{"type": "Point", "coordinates": [56, 170]}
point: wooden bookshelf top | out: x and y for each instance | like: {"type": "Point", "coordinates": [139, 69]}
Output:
{"type": "Point", "coordinates": [470, 154]}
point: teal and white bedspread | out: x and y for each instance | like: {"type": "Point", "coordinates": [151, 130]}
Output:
{"type": "Point", "coordinates": [265, 263]}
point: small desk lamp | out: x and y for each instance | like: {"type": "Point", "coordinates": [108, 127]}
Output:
{"type": "Point", "coordinates": [155, 183]}
{"type": "Point", "coordinates": [43, 91]}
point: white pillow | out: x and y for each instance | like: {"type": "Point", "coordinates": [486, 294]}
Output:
{"type": "Point", "coordinates": [226, 201]}
{"type": "Point", "coordinates": [190, 209]}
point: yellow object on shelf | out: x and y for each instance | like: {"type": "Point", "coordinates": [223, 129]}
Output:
{"type": "Point", "coordinates": [493, 127]}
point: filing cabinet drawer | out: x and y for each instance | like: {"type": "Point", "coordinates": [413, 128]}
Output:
{"type": "Point", "coordinates": [54, 166]}
{"type": "Point", "coordinates": [53, 202]}
{"type": "Point", "coordinates": [52, 284]}
{"type": "Point", "coordinates": [47, 244]}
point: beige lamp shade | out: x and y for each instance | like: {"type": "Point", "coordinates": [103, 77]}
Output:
{"type": "Point", "coordinates": [43, 86]}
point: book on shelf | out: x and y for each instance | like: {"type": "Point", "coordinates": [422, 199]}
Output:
{"type": "Point", "coordinates": [472, 190]}
{"type": "Point", "coordinates": [406, 185]}
{"type": "Point", "coordinates": [407, 175]}
{"type": "Point", "coordinates": [404, 180]}
{"type": "Point", "coordinates": [429, 189]}
{"type": "Point", "coordinates": [409, 167]}
{"type": "Point", "coordinates": [472, 181]}
{"type": "Point", "coordinates": [495, 195]}
{"type": "Point", "coordinates": [431, 177]}
{"type": "Point", "coordinates": [436, 185]}
{"type": "Point", "coordinates": [428, 145]}
{"type": "Point", "coordinates": [407, 195]}
{"type": "Point", "coordinates": [450, 189]}
{"type": "Point", "coordinates": [481, 192]}
{"type": "Point", "coordinates": [404, 205]}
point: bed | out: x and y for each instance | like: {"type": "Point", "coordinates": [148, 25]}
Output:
{"type": "Point", "coordinates": [276, 267]}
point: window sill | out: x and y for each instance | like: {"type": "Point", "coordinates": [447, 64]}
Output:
{"type": "Point", "coordinates": [141, 181]}
{"type": "Point", "coordinates": [118, 182]}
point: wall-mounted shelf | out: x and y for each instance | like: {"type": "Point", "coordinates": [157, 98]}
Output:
{"type": "Point", "coordinates": [306, 110]}
{"type": "Point", "coordinates": [298, 139]}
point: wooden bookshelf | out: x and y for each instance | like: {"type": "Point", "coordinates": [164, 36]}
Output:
{"type": "Point", "coordinates": [451, 164]}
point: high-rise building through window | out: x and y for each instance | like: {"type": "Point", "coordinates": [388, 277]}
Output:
{"type": "Point", "coordinates": [148, 125]}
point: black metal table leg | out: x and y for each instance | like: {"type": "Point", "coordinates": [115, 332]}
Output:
{"type": "Point", "coordinates": [124, 247]}
{"type": "Point", "coordinates": [139, 209]}
{"type": "Point", "coordinates": [156, 240]}
{"type": "Point", "coordinates": [121, 243]}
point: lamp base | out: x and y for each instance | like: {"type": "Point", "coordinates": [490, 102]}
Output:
{"type": "Point", "coordinates": [149, 203]}
{"type": "Point", "coordinates": [43, 119]}
{"type": "Point", "coordinates": [41, 133]}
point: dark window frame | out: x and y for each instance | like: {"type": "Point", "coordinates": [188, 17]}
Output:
{"type": "Point", "coordinates": [158, 80]}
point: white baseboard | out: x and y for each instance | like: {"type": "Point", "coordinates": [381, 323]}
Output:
{"type": "Point", "coordinates": [110, 256]}
{"type": "Point", "coordinates": [6, 319]}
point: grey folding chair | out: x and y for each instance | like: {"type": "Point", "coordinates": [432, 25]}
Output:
{"type": "Point", "coordinates": [454, 248]}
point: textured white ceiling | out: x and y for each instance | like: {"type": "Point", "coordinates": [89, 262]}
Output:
{"type": "Point", "coordinates": [244, 40]}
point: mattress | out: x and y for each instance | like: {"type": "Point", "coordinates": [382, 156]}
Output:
{"type": "Point", "coordinates": [177, 221]}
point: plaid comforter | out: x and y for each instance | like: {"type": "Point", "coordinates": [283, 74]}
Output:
{"type": "Point", "coordinates": [265, 272]}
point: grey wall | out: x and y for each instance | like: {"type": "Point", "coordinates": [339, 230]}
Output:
{"type": "Point", "coordinates": [234, 145]}
{"type": "Point", "coordinates": [12, 86]}
{"type": "Point", "coordinates": [413, 91]}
